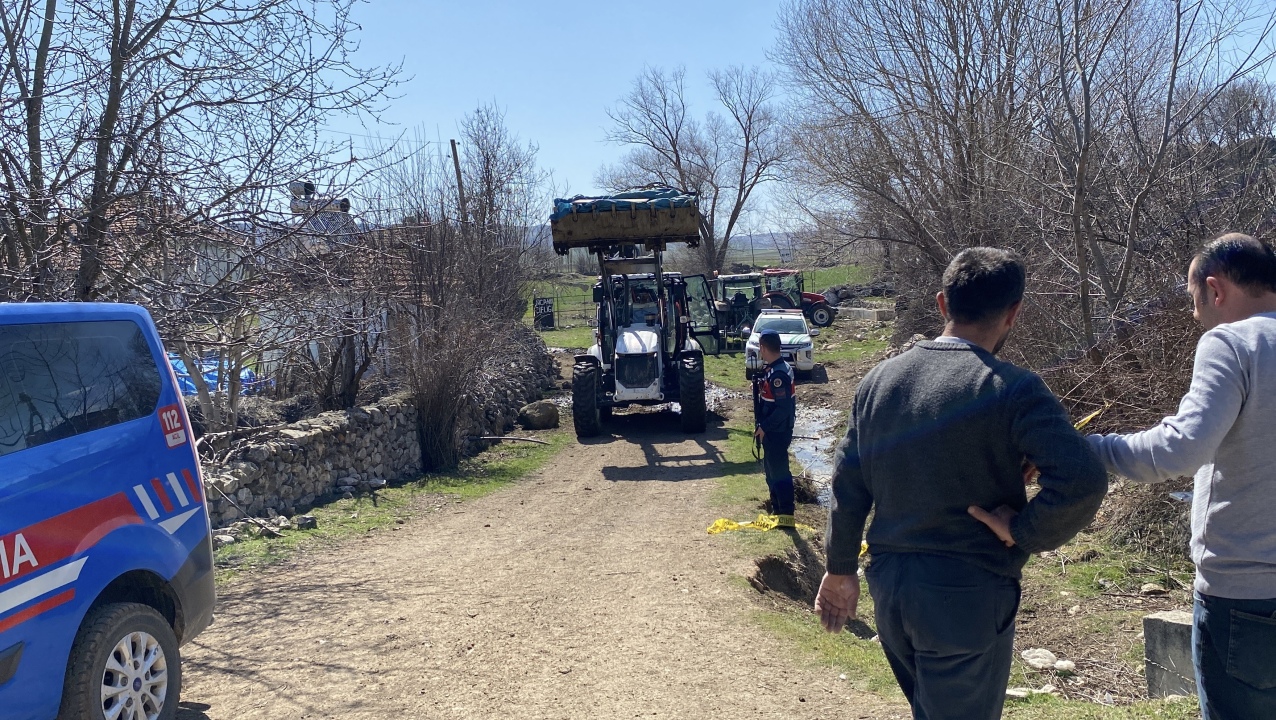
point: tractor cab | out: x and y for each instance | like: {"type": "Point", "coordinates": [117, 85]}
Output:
{"type": "Point", "coordinates": [739, 300]}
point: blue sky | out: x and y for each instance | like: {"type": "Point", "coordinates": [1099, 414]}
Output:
{"type": "Point", "coordinates": [553, 67]}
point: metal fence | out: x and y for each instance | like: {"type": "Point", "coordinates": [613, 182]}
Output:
{"type": "Point", "coordinates": [565, 309]}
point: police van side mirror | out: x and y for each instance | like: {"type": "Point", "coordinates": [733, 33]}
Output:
{"type": "Point", "coordinates": [815, 332]}
{"type": "Point", "coordinates": [746, 331]}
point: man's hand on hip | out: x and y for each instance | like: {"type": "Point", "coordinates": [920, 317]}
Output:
{"type": "Point", "coordinates": [998, 521]}
{"type": "Point", "coordinates": [837, 601]}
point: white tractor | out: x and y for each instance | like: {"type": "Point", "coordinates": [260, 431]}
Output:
{"type": "Point", "coordinates": [654, 327]}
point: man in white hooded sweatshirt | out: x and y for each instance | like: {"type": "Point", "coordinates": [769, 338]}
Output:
{"type": "Point", "coordinates": [1225, 434]}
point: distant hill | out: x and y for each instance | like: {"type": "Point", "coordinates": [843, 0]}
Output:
{"type": "Point", "coordinates": [761, 248]}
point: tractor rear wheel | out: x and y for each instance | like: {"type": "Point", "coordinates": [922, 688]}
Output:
{"type": "Point", "coordinates": [585, 412]}
{"type": "Point", "coordinates": [821, 315]}
{"type": "Point", "coordinates": [781, 302]}
{"type": "Point", "coordinates": [691, 392]}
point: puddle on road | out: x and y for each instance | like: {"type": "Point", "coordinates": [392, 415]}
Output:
{"type": "Point", "coordinates": [816, 456]}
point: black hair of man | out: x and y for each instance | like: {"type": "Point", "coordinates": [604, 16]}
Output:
{"type": "Point", "coordinates": [1243, 259]}
{"type": "Point", "coordinates": [983, 283]}
{"type": "Point", "coordinates": [770, 341]}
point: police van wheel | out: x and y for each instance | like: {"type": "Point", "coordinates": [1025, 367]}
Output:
{"type": "Point", "coordinates": [585, 412]}
{"type": "Point", "coordinates": [691, 392]}
{"type": "Point", "coordinates": [124, 664]}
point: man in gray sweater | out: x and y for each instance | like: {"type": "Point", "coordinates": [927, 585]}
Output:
{"type": "Point", "coordinates": [936, 446]}
{"type": "Point", "coordinates": [1225, 434]}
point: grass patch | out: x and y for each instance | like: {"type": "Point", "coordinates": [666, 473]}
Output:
{"type": "Point", "coordinates": [821, 279]}
{"type": "Point", "coordinates": [741, 490]}
{"type": "Point", "coordinates": [861, 660]}
{"type": "Point", "coordinates": [579, 337]}
{"type": "Point", "coordinates": [850, 351]}
{"type": "Point", "coordinates": [726, 371]}
{"type": "Point", "coordinates": [1088, 567]}
{"type": "Point", "coordinates": [342, 519]}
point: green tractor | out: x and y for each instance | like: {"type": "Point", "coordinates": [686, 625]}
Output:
{"type": "Point", "coordinates": [739, 300]}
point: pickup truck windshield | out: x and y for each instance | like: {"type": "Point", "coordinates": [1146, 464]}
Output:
{"type": "Point", "coordinates": [784, 326]}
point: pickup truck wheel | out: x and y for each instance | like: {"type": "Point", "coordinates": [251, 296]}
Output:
{"type": "Point", "coordinates": [586, 417]}
{"type": "Point", "coordinates": [124, 666]}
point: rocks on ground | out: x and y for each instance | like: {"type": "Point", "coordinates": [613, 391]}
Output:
{"type": "Point", "coordinates": [540, 415]}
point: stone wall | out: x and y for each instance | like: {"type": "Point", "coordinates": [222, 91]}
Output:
{"type": "Point", "coordinates": [292, 467]}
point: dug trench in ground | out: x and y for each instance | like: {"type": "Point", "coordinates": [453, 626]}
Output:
{"type": "Point", "coordinates": [587, 590]}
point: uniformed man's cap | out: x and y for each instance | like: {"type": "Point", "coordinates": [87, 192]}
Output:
{"type": "Point", "coordinates": [769, 339]}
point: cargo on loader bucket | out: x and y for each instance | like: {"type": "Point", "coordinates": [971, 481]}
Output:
{"type": "Point", "coordinates": [650, 218]}
{"type": "Point", "coordinates": [653, 327]}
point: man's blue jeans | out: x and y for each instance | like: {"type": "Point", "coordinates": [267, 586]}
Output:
{"type": "Point", "coordinates": [1234, 651]}
{"type": "Point", "coordinates": [948, 630]}
{"type": "Point", "coordinates": [779, 477]}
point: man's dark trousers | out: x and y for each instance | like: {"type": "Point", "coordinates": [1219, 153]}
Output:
{"type": "Point", "coordinates": [1234, 650]}
{"type": "Point", "coordinates": [779, 477]}
{"type": "Point", "coordinates": [947, 628]}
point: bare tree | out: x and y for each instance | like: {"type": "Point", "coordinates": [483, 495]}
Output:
{"type": "Point", "coordinates": [185, 113]}
{"type": "Point", "coordinates": [1071, 130]}
{"type": "Point", "coordinates": [455, 268]}
{"type": "Point", "coordinates": [1122, 86]}
{"type": "Point", "coordinates": [724, 158]}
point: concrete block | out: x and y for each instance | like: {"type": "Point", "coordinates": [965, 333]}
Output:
{"type": "Point", "coordinates": [880, 315]}
{"type": "Point", "coordinates": [1167, 638]}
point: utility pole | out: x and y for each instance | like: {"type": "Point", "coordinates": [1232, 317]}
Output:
{"type": "Point", "coordinates": [460, 187]}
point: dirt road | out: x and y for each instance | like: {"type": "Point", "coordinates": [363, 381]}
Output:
{"type": "Point", "coordinates": [589, 590]}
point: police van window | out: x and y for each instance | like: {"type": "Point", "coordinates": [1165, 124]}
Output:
{"type": "Point", "coordinates": [62, 379]}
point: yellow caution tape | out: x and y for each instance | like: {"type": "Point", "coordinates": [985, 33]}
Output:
{"type": "Point", "coordinates": [763, 523]}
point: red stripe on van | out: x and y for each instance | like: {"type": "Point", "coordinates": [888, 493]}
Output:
{"type": "Point", "coordinates": [163, 496]}
{"type": "Point", "coordinates": [39, 608]}
{"type": "Point", "coordinates": [195, 489]}
{"type": "Point", "coordinates": [55, 539]}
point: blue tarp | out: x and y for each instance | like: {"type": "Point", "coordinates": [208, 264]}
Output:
{"type": "Point", "coordinates": [249, 383]}
{"type": "Point", "coordinates": [658, 198]}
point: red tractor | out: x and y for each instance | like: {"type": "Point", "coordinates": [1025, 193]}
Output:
{"type": "Point", "coordinates": [784, 289]}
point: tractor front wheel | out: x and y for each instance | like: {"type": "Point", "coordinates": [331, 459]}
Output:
{"type": "Point", "coordinates": [585, 412]}
{"type": "Point", "coordinates": [691, 392]}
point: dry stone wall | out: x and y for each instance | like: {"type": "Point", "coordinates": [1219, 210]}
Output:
{"type": "Point", "coordinates": [296, 466]}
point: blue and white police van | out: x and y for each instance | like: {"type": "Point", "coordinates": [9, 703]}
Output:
{"type": "Point", "coordinates": [106, 563]}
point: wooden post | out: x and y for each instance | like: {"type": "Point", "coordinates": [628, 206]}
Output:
{"type": "Point", "coordinates": [460, 186]}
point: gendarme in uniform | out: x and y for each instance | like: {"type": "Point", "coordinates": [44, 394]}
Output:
{"type": "Point", "coordinates": [774, 412]}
